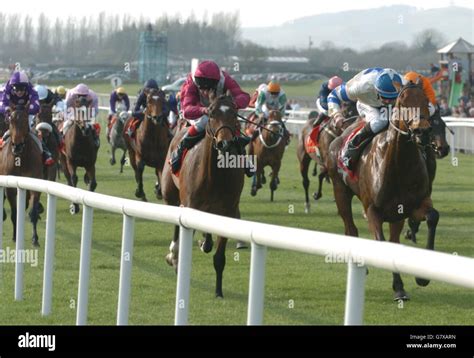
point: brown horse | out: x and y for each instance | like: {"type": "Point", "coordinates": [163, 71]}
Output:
{"type": "Point", "coordinates": [45, 128]}
{"type": "Point", "coordinates": [328, 132]}
{"type": "Point", "coordinates": [205, 185]}
{"type": "Point", "coordinates": [268, 148]}
{"type": "Point", "coordinates": [3, 125]}
{"type": "Point", "coordinates": [80, 150]}
{"type": "Point", "coordinates": [393, 176]}
{"type": "Point", "coordinates": [151, 143]}
{"type": "Point", "coordinates": [21, 155]}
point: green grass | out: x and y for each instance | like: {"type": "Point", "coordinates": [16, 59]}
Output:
{"type": "Point", "coordinates": [315, 290]}
{"type": "Point", "coordinates": [292, 89]}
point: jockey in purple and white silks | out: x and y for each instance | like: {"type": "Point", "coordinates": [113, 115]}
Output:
{"type": "Point", "coordinates": [19, 91]}
{"type": "Point", "coordinates": [372, 89]}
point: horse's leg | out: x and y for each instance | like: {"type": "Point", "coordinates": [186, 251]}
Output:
{"type": "Point", "coordinates": [71, 168]}
{"type": "Point", "coordinates": [172, 256]}
{"type": "Point", "coordinates": [158, 194]}
{"type": "Point", "coordinates": [322, 174]}
{"type": "Point", "coordinates": [432, 218]}
{"type": "Point", "coordinates": [206, 244]}
{"type": "Point", "coordinates": [11, 196]}
{"type": "Point", "coordinates": [315, 169]}
{"type": "Point", "coordinates": [274, 182]}
{"type": "Point", "coordinates": [123, 160]}
{"type": "Point", "coordinates": [399, 292]}
{"type": "Point", "coordinates": [90, 171]}
{"type": "Point", "coordinates": [304, 167]}
{"type": "Point", "coordinates": [343, 196]}
{"type": "Point", "coordinates": [219, 264]}
{"type": "Point", "coordinates": [375, 222]}
{"type": "Point", "coordinates": [263, 179]}
{"type": "Point", "coordinates": [412, 231]}
{"type": "Point", "coordinates": [34, 216]}
{"type": "Point", "coordinates": [140, 167]}
{"type": "Point", "coordinates": [112, 155]}
{"type": "Point", "coordinates": [253, 190]}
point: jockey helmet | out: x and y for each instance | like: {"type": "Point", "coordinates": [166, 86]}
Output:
{"type": "Point", "coordinates": [209, 70]}
{"type": "Point", "coordinates": [42, 92]}
{"type": "Point", "coordinates": [82, 89]}
{"type": "Point", "coordinates": [274, 87]}
{"type": "Point", "coordinates": [151, 84]}
{"type": "Point", "coordinates": [19, 81]}
{"type": "Point", "coordinates": [388, 83]}
{"type": "Point", "coordinates": [121, 90]}
{"type": "Point", "coordinates": [334, 82]}
{"type": "Point", "coordinates": [60, 90]}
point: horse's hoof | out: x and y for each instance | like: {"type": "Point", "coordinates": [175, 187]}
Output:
{"type": "Point", "coordinates": [139, 194]}
{"type": "Point", "coordinates": [169, 259]}
{"type": "Point", "coordinates": [317, 196]}
{"type": "Point", "coordinates": [35, 242]}
{"type": "Point", "coordinates": [206, 245]}
{"type": "Point", "coordinates": [307, 208]}
{"type": "Point", "coordinates": [158, 194]}
{"type": "Point", "coordinates": [144, 199]}
{"type": "Point", "coordinates": [273, 186]}
{"type": "Point", "coordinates": [86, 179]}
{"type": "Point", "coordinates": [253, 192]}
{"type": "Point", "coordinates": [400, 296]}
{"type": "Point", "coordinates": [219, 295]}
{"type": "Point", "coordinates": [74, 209]}
{"type": "Point", "coordinates": [422, 282]}
{"type": "Point", "coordinates": [241, 245]}
{"type": "Point", "coordinates": [410, 236]}
{"type": "Point", "coordinates": [112, 161]}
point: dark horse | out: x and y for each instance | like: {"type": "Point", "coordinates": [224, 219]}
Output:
{"type": "Point", "coordinates": [80, 150]}
{"type": "Point", "coordinates": [151, 143]}
{"type": "Point", "coordinates": [203, 184]}
{"type": "Point", "coordinates": [117, 140]}
{"type": "Point", "coordinates": [21, 155]}
{"type": "Point", "coordinates": [393, 176]}
{"type": "Point", "coordinates": [328, 132]}
{"type": "Point", "coordinates": [268, 148]}
{"type": "Point", "coordinates": [45, 128]}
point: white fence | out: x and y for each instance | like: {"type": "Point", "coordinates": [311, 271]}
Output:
{"type": "Point", "coordinates": [452, 269]}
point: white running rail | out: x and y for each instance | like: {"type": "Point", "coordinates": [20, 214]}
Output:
{"type": "Point", "coordinates": [437, 266]}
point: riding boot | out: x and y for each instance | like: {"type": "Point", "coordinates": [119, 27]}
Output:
{"type": "Point", "coordinates": [187, 142]}
{"type": "Point", "coordinates": [356, 145]}
{"type": "Point", "coordinates": [96, 138]}
{"type": "Point", "coordinates": [47, 157]}
{"type": "Point", "coordinates": [319, 119]}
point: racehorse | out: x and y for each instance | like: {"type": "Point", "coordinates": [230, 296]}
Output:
{"type": "Point", "coordinates": [45, 128]}
{"type": "Point", "coordinates": [3, 125]}
{"type": "Point", "coordinates": [268, 148]}
{"type": "Point", "coordinates": [439, 149]}
{"type": "Point", "coordinates": [21, 155]}
{"type": "Point", "coordinates": [117, 139]}
{"type": "Point", "coordinates": [151, 143]}
{"type": "Point", "coordinates": [203, 184]}
{"type": "Point", "coordinates": [392, 178]}
{"type": "Point", "coordinates": [326, 134]}
{"type": "Point", "coordinates": [80, 149]}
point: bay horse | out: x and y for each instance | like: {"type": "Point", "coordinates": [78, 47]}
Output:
{"type": "Point", "coordinates": [328, 132]}
{"type": "Point", "coordinates": [45, 128]}
{"type": "Point", "coordinates": [203, 184]}
{"type": "Point", "coordinates": [21, 155]}
{"type": "Point", "coordinates": [151, 144]}
{"type": "Point", "coordinates": [80, 150]}
{"type": "Point", "coordinates": [117, 140]}
{"type": "Point", "coordinates": [268, 148]}
{"type": "Point", "coordinates": [392, 178]}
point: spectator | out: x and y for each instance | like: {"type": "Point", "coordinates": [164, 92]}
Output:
{"type": "Point", "coordinates": [471, 112]}
{"type": "Point", "coordinates": [444, 109]}
{"type": "Point", "coordinates": [295, 106]}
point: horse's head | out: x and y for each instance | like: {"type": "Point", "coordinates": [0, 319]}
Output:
{"type": "Point", "coordinates": [155, 106]}
{"type": "Point", "coordinates": [223, 124]}
{"type": "Point", "coordinates": [411, 115]}
{"type": "Point", "coordinates": [19, 128]}
{"type": "Point", "coordinates": [439, 142]}
{"type": "Point", "coordinates": [274, 126]}
{"type": "Point", "coordinates": [122, 118]}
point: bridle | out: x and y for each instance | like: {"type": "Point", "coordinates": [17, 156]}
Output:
{"type": "Point", "coordinates": [280, 134]}
{"type": "Point", "coordinates": [213, 133]}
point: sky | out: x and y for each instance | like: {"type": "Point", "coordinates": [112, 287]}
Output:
{"type": "Point", "coordinates": [252, 13]}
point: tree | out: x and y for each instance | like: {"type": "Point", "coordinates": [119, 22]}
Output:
{"type": "Point", "coordinates": [428, 40]}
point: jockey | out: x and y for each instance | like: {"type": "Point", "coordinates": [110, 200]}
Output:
{"type": "Point", "coordinates": [19, 91]}
{"type": "Point", "coordinates": [373, 89]}
{"type": "Point", "coordinates": [46, 96]}
{"type": "Point", "coordinates": [119, 102]}
{"type": "Point", "coordinates": [59, 108]}
{"type": "Point", "coordinates": [270, 97]}
{"type": "Point", "coordinates": [85, 95]}
{"type": "Point", "coordinates": [140, 105]}
{"type": "Point", "coordinates": [195, 101]}
{"type": "Point", "coordinates": [60, 92]}
{"type": "Point", "coordinates": [322, 100]}
{"type": "Point", "coordinates": [173, 116]}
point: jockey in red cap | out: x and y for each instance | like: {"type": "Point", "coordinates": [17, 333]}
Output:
{"type": "Point", "coordinates": [195, 101]}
